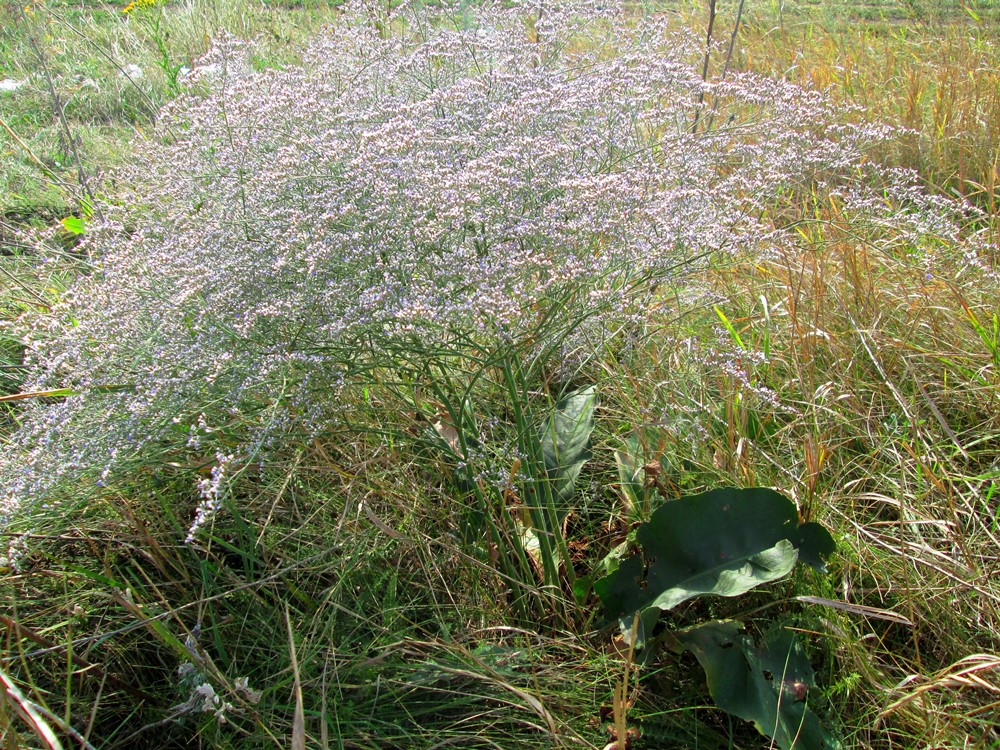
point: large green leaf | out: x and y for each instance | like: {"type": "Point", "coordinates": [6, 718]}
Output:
{"type": "Point", "coordinates": [565, 441]}
{"type": "Point", "coordinates": [723, 542]}
{"type": "Point", "coordinates": [769, 684]}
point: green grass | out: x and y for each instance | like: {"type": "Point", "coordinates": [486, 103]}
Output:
{"type": "Point", "coordinates": [88, 52]}
{"type": "Point", "coordinates": [350, 548]}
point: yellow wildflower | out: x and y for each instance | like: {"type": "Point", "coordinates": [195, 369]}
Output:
{"type": "Point", "coordinates": [135, 4]}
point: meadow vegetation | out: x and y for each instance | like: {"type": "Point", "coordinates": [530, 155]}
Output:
{"type": "Point", "coordinates": [346, 353]}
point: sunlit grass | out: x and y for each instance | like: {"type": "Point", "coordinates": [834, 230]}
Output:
{"type": "Point", "coordinates": [936, 75]}
{"type": "Point", "coordinates": [854, 374]}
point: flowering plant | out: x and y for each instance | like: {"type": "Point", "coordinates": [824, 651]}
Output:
{"type": "Point", "coordinates": [290, 231]}
{"type": "Point", "coordinates": [138, 4]}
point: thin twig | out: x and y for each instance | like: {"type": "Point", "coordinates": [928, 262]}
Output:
{"type": "Point", "coordinates": [104, 53]}
{"type": "Point", "coordinates": [59, 109]}
{"type": "Point", "coordinates": [729, 55]}
{"type": "Point", "coordinates": [24, 287]}
{"type": "Point", "coordinates": [34, 157]}
{"type": "Point", "coordinates": [704, 68]}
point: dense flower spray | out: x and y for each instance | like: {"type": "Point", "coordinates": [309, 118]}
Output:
{"type": "Point", "coordinates": [462, 176]}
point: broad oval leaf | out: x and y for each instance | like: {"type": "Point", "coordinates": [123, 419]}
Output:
{"type": "Point", "coordinates": [723, 542]}
{"type": "Point", "coordinates": [769, 684]}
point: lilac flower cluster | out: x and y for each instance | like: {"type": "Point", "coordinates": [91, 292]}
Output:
{"type": "Point", "coordinates": [452, 180]}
